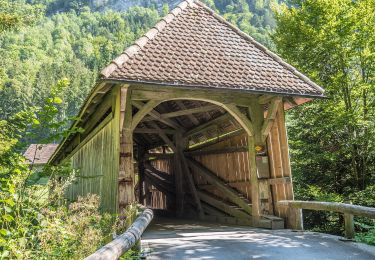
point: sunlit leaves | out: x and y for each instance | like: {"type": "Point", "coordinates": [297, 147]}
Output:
{"type": "Point", "coordinates": [333, 43]}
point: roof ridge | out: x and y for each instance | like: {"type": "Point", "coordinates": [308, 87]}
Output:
{"type": "Point", "coordinates": [260, 46]}
{"type": "Point", "coordinates": [145, 38]}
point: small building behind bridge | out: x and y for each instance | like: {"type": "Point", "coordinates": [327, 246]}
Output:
{"type": "Point", "coordinates": [190, 120]}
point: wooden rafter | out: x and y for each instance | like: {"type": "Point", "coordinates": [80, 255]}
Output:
{"type": "Point", "coordinates": [264, 99]}
{"type": "Point", "coordinates": [155, 114]}
{"type": "Point", "coordinates": [291, 101]}
{"type": "Point", "coordinates": [189, 112]}
{"type": "Point", "coordinates": [207, 125]}
{"type": "Point", "coordinates": [192, 118]}
{"type": "Point", "coordinates": [271, 115]}
{"type": "Point", "coordinates": [164, 137]}
{"type": "Point", "coordinates": [153, 131]}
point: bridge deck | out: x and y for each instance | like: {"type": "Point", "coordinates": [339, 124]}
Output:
{"type": "Point", "coordinates": [182, 239]}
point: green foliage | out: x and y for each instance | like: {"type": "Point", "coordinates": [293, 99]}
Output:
{"type": "Point", "coordinates": [17, 13]}
{"type": "Point", "coordinates": [368, 236]}
{"type": "Point", "coordinates": [74, 46]}
{"type": "Point", "coordinates": [36, 221]}
{"type": "Point", "coordinates": [332, 140]}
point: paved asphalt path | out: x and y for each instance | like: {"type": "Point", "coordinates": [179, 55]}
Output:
{"type": "Point", "coordinates": [172, 239]}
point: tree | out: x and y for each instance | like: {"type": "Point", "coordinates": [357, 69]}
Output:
{"type": "Point", "coordinates": [332, 41]}
{"type": "Point", "coordinates": [14, 14]}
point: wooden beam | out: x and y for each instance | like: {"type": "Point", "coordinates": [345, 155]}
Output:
{"type": "Point", "coordinates": [235, 149]}
{"type": "Point", "coordinates": [216, 140]}
{"type": "Point", "coordinates": [241, 118]}
{"type": "Point", "coordinates": [159, 184]}
{"type": "Point", "coordinates": [153, 131]}
{"type": "Point", "coordinates": [173, 93]}
{"type": "Point", "coordinates": [155, 114]}
{"type": "Point", "coordinates": [192, 118]}
{"type": "Point", "coordinates": [291, 101]}
{"type": "Point", "coordinates": [264, 99]}
{"type": "Point", "coordinates": [124, 242]}
{"type": "Point", "coordinates": [271, 115]}
{"type": "Point", "coordinates": [344, 208]}
{"type": "Point", "coordinates": [164, 137]}
{"type": "Point", "coordinates": [162, 175]}
{"type": "Point", "coordinates": [124, 95]}
{"type": "Point", "coordinates": [212, 211]}
{"type": "Point", "coordinates": [207, 125]}
{"type": "Point", "coordinates": [189, 176]}
{"type": "Point", "coordinates": [221, 205]}
{"type": "Point", "coordinates": [281, 180]}
{"type": "Point", "coordinates": [160, 156]}
{"type": "Point", "coordinates": [100, 110]}
{"type": "Point", "coordinates": [188, 112]}
{"type": "Point", "coordinates": [144, 110]}
{"type": "Point", "coordinates": [222, 186]}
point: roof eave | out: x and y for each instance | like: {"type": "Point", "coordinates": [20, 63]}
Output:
{"type": "Point", "coordinates": [239, 89]}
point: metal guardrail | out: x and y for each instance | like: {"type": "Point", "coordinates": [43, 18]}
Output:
{"type": "Point", "coordinates": [116, 248]}
{"type": "Point", "coordinates": [348, 210]}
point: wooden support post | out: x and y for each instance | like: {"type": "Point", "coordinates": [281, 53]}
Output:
{"type": "Point", "coordinates": [271, 114]}
{"type": "Point", "coordinates": [260, 188]}
{"type": "Point", "coordinates": [189, 177]}
{"type": "Point", "coordinates": [126, 175]}
{"type": "Point", "coordinates": [179, 185]}
{"type": "Point", "coordinates": [349, 226]}
{"type": "Point", "coordinates": [294, 219]}
{"type": "Point", "coordinates": [141, 173]}
{"type": "Point", "coordinates": [255, 202]}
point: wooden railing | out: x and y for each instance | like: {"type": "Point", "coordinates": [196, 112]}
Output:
{"type": "Point", "coordinates": [348, 210]}
{"type": "Point", "coordinates": [125, 241]}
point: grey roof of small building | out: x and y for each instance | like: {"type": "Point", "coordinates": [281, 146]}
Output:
{"type": "Point", "coordinates": [39, 153]}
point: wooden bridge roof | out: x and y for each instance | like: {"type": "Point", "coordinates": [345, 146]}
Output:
{"type": "Point", "coordinates": [193, 46]}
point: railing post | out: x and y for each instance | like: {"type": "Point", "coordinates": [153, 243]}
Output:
{"type": "Point", "coordinates": [349, 225]}
{"type": "Point", "coordinates": [294, 218]}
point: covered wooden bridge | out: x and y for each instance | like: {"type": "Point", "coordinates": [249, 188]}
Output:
{"type": "Point", "coordinates": [190, 120]}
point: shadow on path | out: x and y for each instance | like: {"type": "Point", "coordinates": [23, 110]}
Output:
{"type": "Point", "coordinates": [184, 239]}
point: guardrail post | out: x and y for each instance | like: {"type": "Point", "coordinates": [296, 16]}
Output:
{"type": "Point", "coordinates": [295, 218]}
{"type": "Point", "coordinates": [349, 225]}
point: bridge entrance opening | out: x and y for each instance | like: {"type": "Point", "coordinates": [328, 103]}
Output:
{"type": "Point", "coordinates": [192, 161]}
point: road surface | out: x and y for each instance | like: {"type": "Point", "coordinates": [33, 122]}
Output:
{"type": "Point", "coordinates": [178, 239]}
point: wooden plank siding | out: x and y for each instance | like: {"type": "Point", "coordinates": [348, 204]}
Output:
{"type": "Point", "coordinates": [97, 164]}
{"type": "Point", "coordinates": [280, 163]}
{"type": "Point", "coordinates": [96, 169]}
{"type": "Point", "coordinates": [158, 199]}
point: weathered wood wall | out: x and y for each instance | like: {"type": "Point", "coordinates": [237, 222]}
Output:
{"type": "Point", "coordinates": [97, 171]}
{"type": "Point", "coordinates": [158, 199]}
{"type": "Point", "coordinates": [278, 149]}
{"type": "Point", "coordinates": [97, 163]}
{"type": "Point", "coordinates": [233, 167]}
